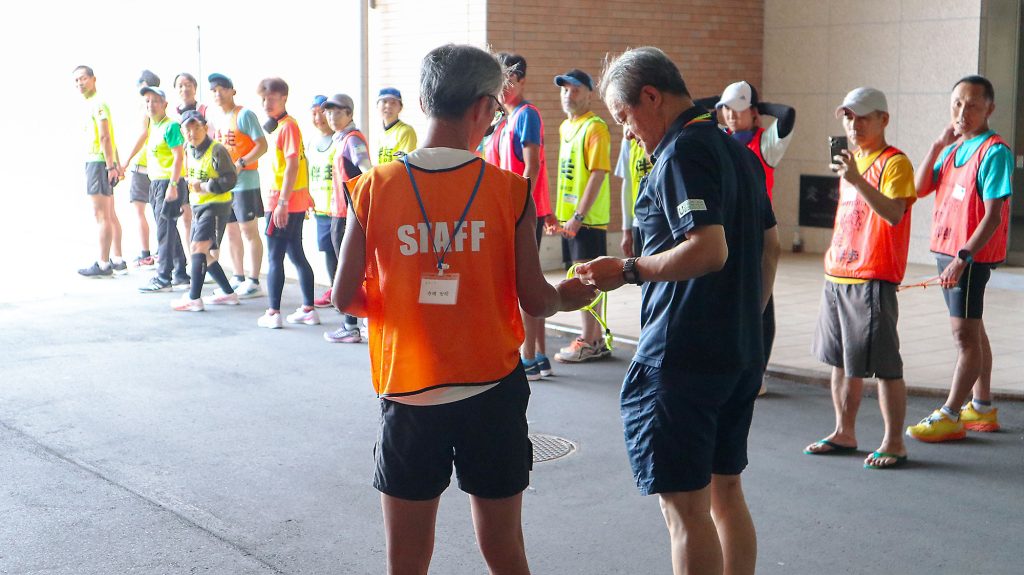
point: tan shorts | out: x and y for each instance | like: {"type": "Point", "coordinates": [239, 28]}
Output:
{"type": "Point", "coordinates": [857, 329]}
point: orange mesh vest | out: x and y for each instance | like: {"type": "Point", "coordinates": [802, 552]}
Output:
{"type": "Point", "coordinates": [415, 347]}
{"type": "Point", "coordinates": [864, 246]}
{"type": "Point", "coordinates": [237, 142]}
{"type": "Point", "coordinates": [959, 208]}
{"type": "Point", "coordinates": [339, 207]}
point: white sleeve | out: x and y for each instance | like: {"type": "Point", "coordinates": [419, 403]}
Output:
{"type": "Point", "coordinates": [772, 146]}
{"type": "Point", "coordinates": [622, 165]}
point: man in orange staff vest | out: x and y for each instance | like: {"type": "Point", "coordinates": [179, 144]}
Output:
{"type": "Point", "coordinates": [856, 331]}
{"type": "Point", "coordinates": [970, 169]}
{"type": "Point", "coordinates": [460, 260]}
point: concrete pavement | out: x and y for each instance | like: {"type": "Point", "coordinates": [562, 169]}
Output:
{"type": "Point", "coordinates": [138, 440]}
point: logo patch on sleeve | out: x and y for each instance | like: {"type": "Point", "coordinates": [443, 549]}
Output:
{"type": "Point", "coordinates": [691, 206]}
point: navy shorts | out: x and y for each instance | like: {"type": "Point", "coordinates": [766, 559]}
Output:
{"type": "Point", "coordinates": [246, 206]}
{"type": "Point", "coordinates": [485, 437]}
{"type": "Point", "coordinates": [96, 181]}
{"type": "Point", "coordinates": [967, 298]}
{"type": "Point", "coordinates": [323, 233]}
{"type": "Point", "coordinates": [209, 221]}
{"type": "Point", "coordinates": [140, 185]}
{"type": "Point", "coordinates": [681, 428]}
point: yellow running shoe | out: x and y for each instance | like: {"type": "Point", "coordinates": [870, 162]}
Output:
{"type": "Point", "coordinates": [974, 420]}
{"type": "Point", "coordinates": [937, 427]}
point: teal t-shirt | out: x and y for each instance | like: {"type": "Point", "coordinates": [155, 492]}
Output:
{"type": "Point", "coordinates": [249, 124]}
{"type": "Point", "coordinates": [995, 175]}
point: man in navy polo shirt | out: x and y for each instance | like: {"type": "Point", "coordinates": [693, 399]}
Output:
{"type": "Point", "coordinates": [710, 248]}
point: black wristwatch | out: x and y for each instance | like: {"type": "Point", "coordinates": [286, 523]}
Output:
{"type": "Point", "coordinates": [629, 272]}
{"type": "Point", "coordinates": [966, 255]}
{"type": "Point", "coordinates": [241, 161]}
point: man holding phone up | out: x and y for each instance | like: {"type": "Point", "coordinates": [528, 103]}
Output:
{"type": "Point", "coordinates": [856, 331]}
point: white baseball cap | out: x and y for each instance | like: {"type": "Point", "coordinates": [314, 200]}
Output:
{"type": "Point", "coordinates": [863, 101]}
{"type": "Point", "coordinates": [738, 96]}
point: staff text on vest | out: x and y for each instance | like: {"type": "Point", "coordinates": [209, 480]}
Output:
{"type": "Point", "coordinates": [414, 238]}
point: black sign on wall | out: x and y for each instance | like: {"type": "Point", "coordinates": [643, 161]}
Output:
{"type": "Point", "coordinates": [819, 197]}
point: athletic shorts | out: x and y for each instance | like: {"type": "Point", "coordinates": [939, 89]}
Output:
{"type": "Point", "coordinates": [337, 234]}
{"type": "Point", "coordinates": [857, 329]}
{"type": "Point", "coordinates": [485, 437]}
{"type": "Point", "coordinates": [588, 244]}
{"type": "Point", "coordinates": [681, 428]}
{"type": "Point", "coordinates": [246, 206]}
{"type": "Point", "coordinates": [323, 233]}
{"type": "Point", "coordinates": [140, 186]}
{"type": "Point", "coordinates": [209, 221]}
{"type": "Point", "coordinates": [966, 299]}
{"type": "Point", "coordinates": [96, 182]}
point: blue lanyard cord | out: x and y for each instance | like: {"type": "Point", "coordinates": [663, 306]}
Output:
{"type": "Point", "coordinates": [430, 227]}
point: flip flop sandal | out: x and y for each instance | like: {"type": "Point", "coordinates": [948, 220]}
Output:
{"type": "Point", "coordinates": [835, 448]}
{"type": "Point", "coordinates": [897, 460]}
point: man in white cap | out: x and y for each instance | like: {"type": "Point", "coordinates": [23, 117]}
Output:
{"type": "Point", "coordinates": [856, 331]}
{"type": "Point", "coordinates": [739, 110]}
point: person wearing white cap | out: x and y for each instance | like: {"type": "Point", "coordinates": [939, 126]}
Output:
{"type": "Point", "coordinates": [856, 332]}
{"type": "Point", "coordinates": [739, 110]}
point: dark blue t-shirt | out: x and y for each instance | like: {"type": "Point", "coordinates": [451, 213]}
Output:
{"type": "Point", "coordinates": [701, 176]}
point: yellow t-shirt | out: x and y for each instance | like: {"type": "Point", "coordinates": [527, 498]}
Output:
{"type": "Point", "coordinates": [98, 111]}
{"type": "Point", "coordinates": [897, 181]}
{"type": "Point", "coordinates": [398, 140]}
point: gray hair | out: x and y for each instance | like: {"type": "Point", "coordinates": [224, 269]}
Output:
{"type": "Point", "coordinates": [623, 77]}
{"type": "Point", "coordinates": [453, 76]}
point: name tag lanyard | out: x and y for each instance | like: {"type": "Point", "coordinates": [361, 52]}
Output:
{"type": "Point", "coordinates": [441, 266]}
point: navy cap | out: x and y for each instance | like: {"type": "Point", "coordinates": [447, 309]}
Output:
{"type": "Point", "coordinates": [147, 89]}
{"type": "Point", "coordinates": [575, 77]}
{"type": "Point", "coordinates": [192, 116]}
{"type": "Point", "coordinates": [389, 93]}
{"type": "Point", "coordinates": [221, 80]}
{"type": "Point", "coordinates": [318, 101]}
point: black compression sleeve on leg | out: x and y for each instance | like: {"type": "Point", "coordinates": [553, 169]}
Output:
{"type": "Point", "coordinates": [218, 275]}
{"type": "Point", "coordinates": [195, 290]}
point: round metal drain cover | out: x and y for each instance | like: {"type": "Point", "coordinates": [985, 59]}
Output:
{"type": "Point", "coordinates": [549, 447]}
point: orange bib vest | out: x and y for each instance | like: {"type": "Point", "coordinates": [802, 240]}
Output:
{"type": "Point", "coordinates": [769, 172]}
{"type": "Point", "coordinates": [339, 207]}
{"type": "Point", "coordinates": [415, 347]}
{"type": "Point", "coordinates": [864, 246]}
{"type": "Point", "coordinates": [509, 161]}
{"type": "Point", "coordinates": [959, 208]}
{"type": "Point", "coordinates": [237, 142]}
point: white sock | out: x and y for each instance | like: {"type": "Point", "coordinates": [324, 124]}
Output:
{"type": "Point", "coordinates": [955, 416]}
{"type": "Point", "coordinates": [981, 407]}
{"type": "Point", "coordinates": [117, 260]}
{"type": "Point", "coordinates": [104, 265]}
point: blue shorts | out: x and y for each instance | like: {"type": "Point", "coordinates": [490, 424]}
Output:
{"type": "Point", "coordinates": [682, 427]}
{"type": "Point", "coordinates": [323, 233]}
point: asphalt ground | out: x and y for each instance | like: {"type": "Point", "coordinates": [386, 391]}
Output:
{"type": "Point", "coordinates": [134, 439]}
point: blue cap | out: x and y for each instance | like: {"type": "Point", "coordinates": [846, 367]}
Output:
{"type": "Point", "coordinates": [192, 116]}
{"type": "Point", "coordinates": [389, 93]}
{"type": "Point", "coordinates": [318, 101]}
{"type": "Point", "coordinates": [221, 80]}
{"type": "Point", "coordinates": [147, 89]}
{"type": "Point", "coordinates": [575, 77]}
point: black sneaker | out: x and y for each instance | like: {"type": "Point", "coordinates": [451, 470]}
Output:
{"type": "Point", "coordinates": [119, 269]}
{"type": "Point", "coordinates": [155, 285]}
{"type": "Point", "coordinates": [95, 271]}
{"type": "Point", "coordinates": [184, 280]}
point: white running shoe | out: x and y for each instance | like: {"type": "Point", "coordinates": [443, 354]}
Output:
{"type": "Point", "coordinates": [248, 290]}
{"type": "Point", "coordinates": [302, 316]}
{"type": "Point", "coordinates": [221, 299]}
{"type": "Point", "coordinates": [184, 303]}
{"type": "Point", "coordinates": [270, 321]}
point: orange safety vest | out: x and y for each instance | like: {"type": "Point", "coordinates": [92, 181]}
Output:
{"type": "Point", "coordinates": [769, 172]}
{"type": "Point", "coordinates": [864, 246]}
{"type": "Point", "coordinates": [959, 208]}
{"type": "Point", "coordinates": [415, 347]}
{"type": "Point", "coordinates": [237, 142]}
{"type": "Point", "coordinates": [339, 207]}
{"type": "Point", "coordinates": [509, 161]}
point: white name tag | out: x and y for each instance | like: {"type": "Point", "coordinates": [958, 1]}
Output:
{"type": "Point", "coordinates": [439, 290]}
{"type": "Point", "coordinates": [570, 198]}
{"type": "Point", "coordinates": [959, 192]}
{"type": "Point", "coordinates": [691, 206]}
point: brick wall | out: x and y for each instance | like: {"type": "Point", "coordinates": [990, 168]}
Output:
{"type": "Point", "coordinates": [714, 43]}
